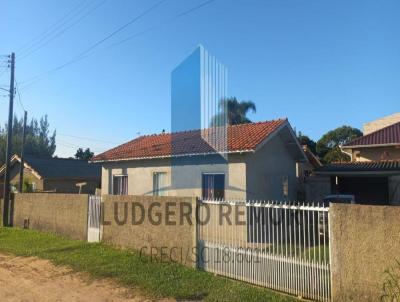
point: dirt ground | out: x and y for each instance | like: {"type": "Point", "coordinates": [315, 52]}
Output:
{"type": "Point", "coordinates": [32, 279]}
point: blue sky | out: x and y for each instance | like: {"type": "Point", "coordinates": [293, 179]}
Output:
{"type": "Point", "coordinates": [322, 64]}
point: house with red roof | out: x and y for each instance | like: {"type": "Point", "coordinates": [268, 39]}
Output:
{"type": "Point", "coordinates": [380, 145]}
{"type": "Point", "coordinates": [373, 174]}
{"type": "Point", "coordinates": [247, 161]}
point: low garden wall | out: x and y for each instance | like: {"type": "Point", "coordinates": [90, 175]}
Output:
{"type": "Point", "coordinates": [365, 241]}
{"type": "Point", "coordinates": [163, 227]}
{"type": "Point", "coordinates": [64, 214]}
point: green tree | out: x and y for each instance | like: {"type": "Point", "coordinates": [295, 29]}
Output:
{"type": "Point", "coordinates": [305, 140]}
{"type": "Point", "coordinates": [39, 142]}
{"type": "Point", "coordinates": [233, 112]}
{"type": "Point", "coordinates": [84, 155]}
{"type": "Point", "coordinates": [328, 147]}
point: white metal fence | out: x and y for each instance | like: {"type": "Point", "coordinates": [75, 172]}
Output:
{"type": "Point", "coordinates": [283, 246]}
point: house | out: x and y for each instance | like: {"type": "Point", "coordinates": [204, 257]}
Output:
{"type": "Point", "coordinates": [259, 162]}
{"type": "Point", "coordinates": [305, 171]}
{"type": "Point", "coordinates": [60, 175]}
{"type": "Point", "coordinates": [373, 175]}
{"type": "Point", "coordinates": [380, 145]}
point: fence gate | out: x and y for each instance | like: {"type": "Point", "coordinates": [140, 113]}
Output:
{"type": "Point", "coordinates": [281, 246]}
{"type": "Point", "coordinates": [94, 215]}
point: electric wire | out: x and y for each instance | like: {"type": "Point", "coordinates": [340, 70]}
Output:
{"type": "Point", "coordinates": [33, 80]}
{"type": "Point", "coordinates": [19, 96]}
{"type": "Point", "coordinates": [29, 44]}
{"type": "Point", "coordinates": [96, 44]}
{"type": "Point", "coordinates": [61, 31]}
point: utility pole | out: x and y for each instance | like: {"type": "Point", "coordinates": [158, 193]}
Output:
{"type": "Point", "coordinates": [21, 167]}
{"type": "Point", "coordinates": [6, 208]}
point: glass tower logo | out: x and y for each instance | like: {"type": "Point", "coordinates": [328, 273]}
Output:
{"type": "Point", "coordinates": [199, 87]}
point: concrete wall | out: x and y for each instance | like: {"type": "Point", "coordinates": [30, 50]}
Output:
{"type": "Point", "coordinates": [266, 169]}
{"type": "Point", "coordinates": [376, 154]}
{"type": "Point", "coordinates": [64, 214]}
{"type": "Point", "coordinates": [365, 241]}
{"type": "Point", "coordinates": [176, 238]}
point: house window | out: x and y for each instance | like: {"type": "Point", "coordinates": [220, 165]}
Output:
{"type": "Point", "coordinates": [120, 185]}
{"type": "Point", "coordinates": [213, 186]}
{"type": "Point", "coordinates": [159, 183]}
{"type": "Point", "coordinates": [285, 186]}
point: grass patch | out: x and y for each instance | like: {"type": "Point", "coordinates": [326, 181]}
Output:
{"type": "Point", "coordinates": [126, 266]}
{"type": "Point", "coordinates": [319, 253]}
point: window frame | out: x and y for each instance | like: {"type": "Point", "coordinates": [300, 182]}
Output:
{"type": "Point", "coordinates": [213, 194]}
{"type": "Point", "coordinates": [162, 189]}
{"type": "Point", "coordinates": [113, 183]}
{"type": "Point", "coordinates": [285, 186]}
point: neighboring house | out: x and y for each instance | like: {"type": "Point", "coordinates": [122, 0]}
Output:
{"type": "Point", "coordinates": [306, 169]}
{"type": "Point", "coordinates": [381, 123]}
{"type": "Point", "coordinates": [373, 175]}
{"type": "Point", "coordinates": [306, 173]}
{"type": "Point", "coordinates": [381, 145]}
{"type": "Point", "coordinates": [259, 162]}
{"type": "Point", "coordinates": [58, 175]}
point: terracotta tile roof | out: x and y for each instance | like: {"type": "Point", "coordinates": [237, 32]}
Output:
{"type": "Point", "coordinates": [387, 135]}
{"type": "Point", "coordinates": [243, 137]}
{"type": "Point", "coordinates": [371, 166]}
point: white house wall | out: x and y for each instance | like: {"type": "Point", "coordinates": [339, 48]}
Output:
{"type": "Point", "coordinates": [188, 178]}
{"type": "Point", "coordinates": [266, 169]}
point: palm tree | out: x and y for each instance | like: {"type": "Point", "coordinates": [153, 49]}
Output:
{"type": "Point", "coordinates": [234, 112]}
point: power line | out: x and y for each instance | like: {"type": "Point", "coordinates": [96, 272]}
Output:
{"type": "Point", "coordinates": [50, 28]}
{"type": "Point", "coordinates": [61, 31]}
{"type": "Point", "coordinates": [3, 72]}
{"type": "Point", "coordinates": [177, 16]}
{"type": "Point", "coordinates": [33, 80]}
{"type": "Point", "coordinates": [54, 34]}
{"type": "Point", "coordinates": [19, 96]}
{"type": "Point", "coordinates": [122, 27]}
{"type": "Point", "coordinates": [96, 44]}
{"type": "Point", "coordinates": [87, 138]}
{"type": "Point", "coordinates": [75, 146]}
{"type": "Point", "coordinates": [6, 67]}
